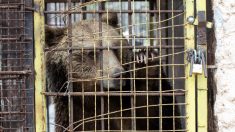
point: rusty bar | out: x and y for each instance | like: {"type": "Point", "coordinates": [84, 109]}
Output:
{"type": "Point", "coordinates": [100, 7]}
{"type": "Point", "coordinates": [21, 63]}
{"type": "Point", "coordinates": [104, 11]}
{"type": "Point", "coordinates": [113, 47]}
{"type": "Point", "coordinates": [112, 94]}
{"type": "Point", "coordinates": [14, 97]}
{"type": "Point", "coordinates": [82, 17]}
{"type": "Point", "coordinates": [133, 121]}
{"type": "Point", "coordinates": [8, 39]}
{"type": "Point", "coordinates": [70, 98]}
{"type": "Point", "coordinates": [11, 27]}
{"type": "Point", "coordinates": [15, 72]}
{"type": "Point", "coordinates": [14, 112]}
{"type": "Point", "coordinates": [16, 7]}
{"type": "Point", "coordinates": [16, 129]}
{"type": "Point", "coordinates": [14, 39]}
{"type": "Point", "coordinates": [160, 62]}
{"type": "Point", "coordinates": [9, 77]}
{"type": "Point", "coordinates": [16, 89]}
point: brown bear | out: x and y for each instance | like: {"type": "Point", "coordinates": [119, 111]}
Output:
{"type": "Point", "coordinates": [86, 64]}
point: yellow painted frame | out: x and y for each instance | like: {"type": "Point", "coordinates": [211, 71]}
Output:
{"type": "Point", "coordinates": [39, 67]}
{"type": "Point", "coordinates": [202, 85]}
{"type": "Point", "coordinates": [190, 81]}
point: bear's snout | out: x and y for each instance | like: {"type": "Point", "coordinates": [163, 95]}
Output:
{"type": "Point", "coordinates": [117, 77]}
{"type": "Point", "coordinates": [113, 71]}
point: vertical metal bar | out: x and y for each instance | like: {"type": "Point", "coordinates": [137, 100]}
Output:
{"type": "Point", "coordinates": [69, 42]}
{"type": "Point", "coordinates": [190, 81]}
{"type": "Point", "coordinates": [56, 18]}
{"type": "Point", "coordinates": [201, 80]}
{"type": "Point", "coordinates": [83, 98]}
{"type": "Point", "coordinates": [83, 88]}
{"type": "Point", "coordinates": [9, 66]}
{"type": "Point", "coordinates": [160, 65]}
{"type": "Point", "coordinates": [133, 120]}
{"type": "Point", "coordinates": [22, 63]}
{"type": "Point", "coordinates": [59, 17]}
{"type": "Point", "coordinates": [100, 7]}
{"type": "Point", "coordinates": [40, 85]}
{"type": "Point", "coordinates": [166, 16]}
{"type": "Point", "coordinates": [148, 35]}
{"type": "Point", "coordinates": [173, 61]}
{"type": "Point", "coordinates": [47, 21]}
{"type": "Point", "coordinates": [108, 80]}
{"type": "Point", "coordinates": [121, 54]}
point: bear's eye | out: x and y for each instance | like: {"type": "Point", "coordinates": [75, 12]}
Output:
{"type": "Point", "coordinates": [93, 54]}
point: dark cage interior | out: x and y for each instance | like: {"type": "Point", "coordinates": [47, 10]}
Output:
{"type": "Point", "coordinates": [115, 65]}
{"type": "Point", "coordinates": [16, 66]}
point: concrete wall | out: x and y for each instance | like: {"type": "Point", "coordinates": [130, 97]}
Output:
{"type": "Point", "coordinates": [224, 17]}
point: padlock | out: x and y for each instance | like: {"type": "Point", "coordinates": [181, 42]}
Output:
{"type": "Point", "coordinates": [197, 68]}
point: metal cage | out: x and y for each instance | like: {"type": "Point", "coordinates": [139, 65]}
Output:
{"type": "Point", "coordinates": [16, 66]}
{"type": "Point", "coordinates": [102, 65]}
{"type": "Point", "coordinates": [149, 26]}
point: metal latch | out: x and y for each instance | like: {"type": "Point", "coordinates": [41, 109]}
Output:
{"type": "Point", "coordinates": [197, 61]}
{"type": "Point", "coordinates": [196, 21]}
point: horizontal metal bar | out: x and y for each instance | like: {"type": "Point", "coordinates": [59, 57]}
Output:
{"type": "Point", "coordinates": [15, 72]}
{"type": "Point", "coordinates": [114, 47]}
{"type": "Point", "coordinates": [10, 77]}
{"type": "Point", "coordinates": [10, 3]}
{"type": "Point", "coordinates": [13, 90]}
{"type": "Point", "coordinates": [30, 8]}
{"type": "Point", "coordinates": [15, 59]}
{"type": "Point", "coordinates": [20, 27]}
{"type": "Point", "coordinates": [111, 11]}
{"type": "Point", "coordinates": [8, 39]}
{"type": "Point", "coordinates": [15, 7]}
{"type": "Point", "coordinates": [143, 78]}
{"type": "Point", "coordinates": [15, 51]}
{"type": "Point", "coordinates": [28, 97]}
{"type": "Point", "coordinates": [14, 112]}
{"type": "Point", "coordinates": [8, 6]}
{"type": "Point", "coordinates": [112, 94]}
{"type": "Point", "coordinates": [13, 120]}
{"type": "Point", "coordinates": [14, 39]}
{"type": "Point", "coordinates": [17, 129]}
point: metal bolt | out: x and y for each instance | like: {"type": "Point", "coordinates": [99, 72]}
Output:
{"type": "Point", "coordinates": [191, 19]}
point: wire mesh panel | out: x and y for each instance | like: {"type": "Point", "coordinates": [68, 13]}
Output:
{"type": "Point", "coordinates": [115, 65]}
{"type": "Point", "coordinates": [16, 60]}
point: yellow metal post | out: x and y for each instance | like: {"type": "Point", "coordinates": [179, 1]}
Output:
{"type": "Point", "coordinates": [202, 84]}
{"type": "Point", "coordinates": [190, 81]}
{"type": "Point", "coordinates": [39, 65]}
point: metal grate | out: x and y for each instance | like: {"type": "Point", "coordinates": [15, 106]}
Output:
{"type": "Point", "coordinates": [127, 76]}
{"type": "Point", "coordinates": [16, 60]}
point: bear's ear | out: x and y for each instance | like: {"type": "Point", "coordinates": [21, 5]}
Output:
{"type": "Point", "coordinates": [53, 35]}
{"type": "Point", "coordinates": [110, 18]}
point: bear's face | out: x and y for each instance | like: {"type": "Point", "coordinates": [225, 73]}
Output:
{"type": "Point", "coordinates": [101, 65]}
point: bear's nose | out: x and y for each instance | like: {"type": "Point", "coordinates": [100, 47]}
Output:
{"type": "Point", "coordinates": [117, 72]}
